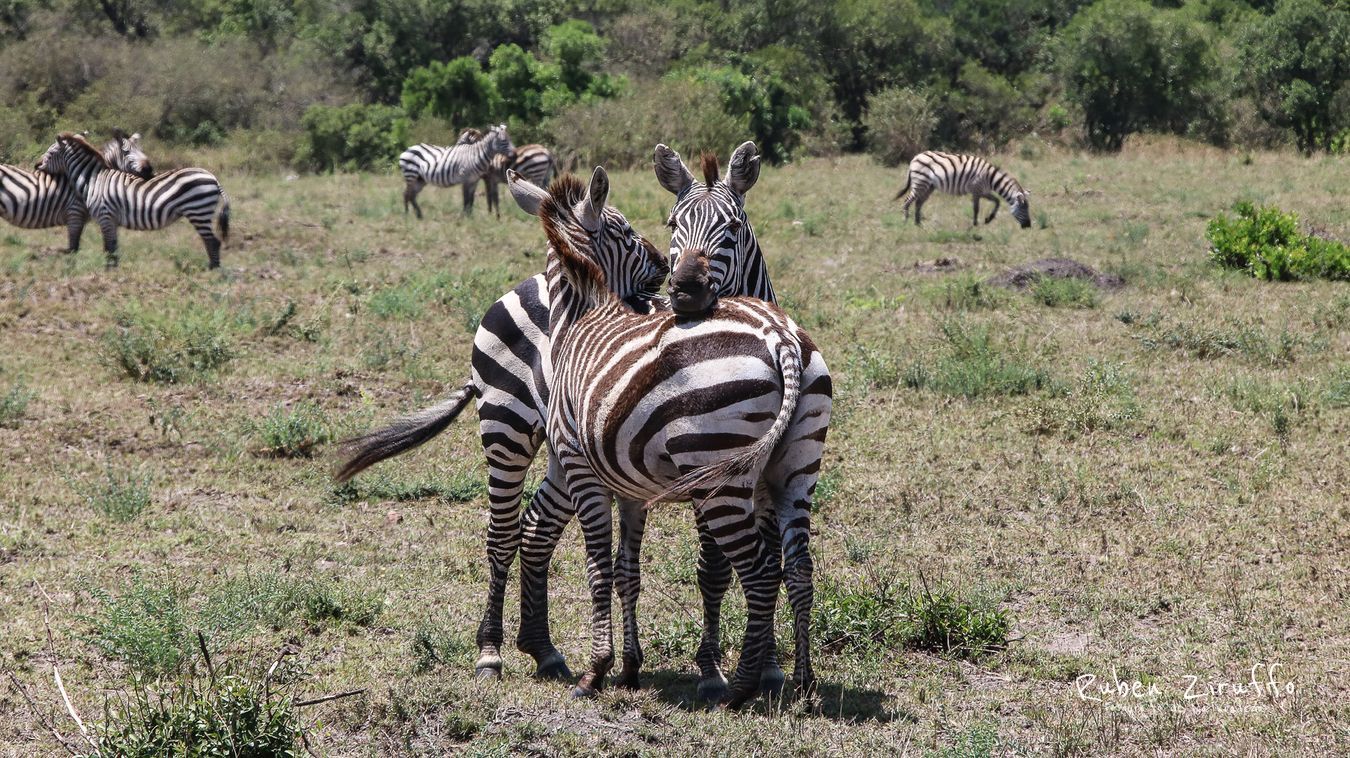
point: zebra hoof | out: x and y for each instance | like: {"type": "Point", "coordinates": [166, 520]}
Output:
{"type": "Point", "coordinates": [580, 692]}
{"type": "Point", "coordinates": [553, 668]}
{"type": "Point", "coordinates": [771, 682]}
{"type": "Point", "coordinates": [712, 692]}
{"type": "Point", "coordinates": [488, 669]}
{"type": "Point", "coordinates": [628, 679]}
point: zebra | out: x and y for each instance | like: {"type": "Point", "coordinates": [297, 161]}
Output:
{"type": "Point", "coordinates": [461, 163]}
{"type": "Point", "coordinates": [534, 162]}
{"type": "Point", "coordinates": [510, 380]}
{"type": "Point", "coordinates": [115, 198]}
{"type": "Point", "coordinates": [963, 175]}
{"type": "Point", "coordinates": [726, 410]}
{"type": "Point", "coordinates": [123, 152]}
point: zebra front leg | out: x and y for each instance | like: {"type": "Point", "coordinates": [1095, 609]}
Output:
{"type": "Point", "coordinates": [74, 230]}
{"type": "Point", "coordinates": [994, 212]}
{"type": "Point", "coordinates": [632, 524]}
{"type": "Point", "coordinates": [542, 525]}
{"type": "Point", "coordinates": [410, 191]}
{"type": "Point", "coordinates": [469, 189]}
{"type": "Point", "coordinates": [506, 479]}
{"type": "Point", "coordinates": [109, 229]}
{"type": "Point", "coordinates": [596, 517]}
{"type": "Point", "coordinates": [490, 189]}
{"type": "Point", "coordinates": [975, 215]}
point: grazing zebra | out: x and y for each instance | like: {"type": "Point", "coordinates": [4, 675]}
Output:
{"type": "Point", "coordinates": [726, 410]}
{"type": "Point", "coordinates": [115, 198]}
{"type": "Point", "coordinates": [511, 380]}
{"type": "Point", "coordinates": [461, 163]}
{"type": "Point", "coordinates": [963, 175]}
{"type": "Point", "coordinates": [123, 152]}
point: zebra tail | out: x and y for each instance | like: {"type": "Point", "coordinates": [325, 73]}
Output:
{"type": "Point", "coordinates": [713, 476]}
{"type": "Point", "coordinates": [223, 218]}
{"type": "Point", "coordinates": [909, 177]}
{"type": "Point", "coordinates": [403, 435]}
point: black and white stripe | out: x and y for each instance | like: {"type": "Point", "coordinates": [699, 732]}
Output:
{"type": "Point", "coordinates": [535, 162]}
{"type": "Point", "coordinates": [117, 199]}
{"type": "Point", "coordinates": [963, 175]}
{"type": "Point", "coordinates": [123, 152]}
{"type": "Point", "coordinates": [441, 166]}
{"type": "Point", "coordinates": [729, 410]}
{"type": "Point", "coordinates": [38, 200]}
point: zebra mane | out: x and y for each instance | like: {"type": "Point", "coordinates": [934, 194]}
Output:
{"type": "Point", "coordinates": [711, 170]}
{"type": "Point", "coordinates": [558, 215]}
{"type": "Point", "coordinates": [78, 142]}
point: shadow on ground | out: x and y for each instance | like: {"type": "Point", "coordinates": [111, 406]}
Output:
{"type": "Point", "coordinates": [835, 701]}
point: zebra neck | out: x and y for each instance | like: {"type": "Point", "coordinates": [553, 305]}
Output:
{"type": "Point", "coordinates": [1006, 186]}
{"type": "Point", "coordinates": [755, 273]}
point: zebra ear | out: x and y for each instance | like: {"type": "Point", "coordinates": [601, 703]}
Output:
{"type": "Point", "coordinates": [526, 195]}
{"type": "Point", "coordinates": [593, 204]}
{"type": "Point", "coordinates": [671, 172]}
{"type": "Point", "coordinates": [743, 171]}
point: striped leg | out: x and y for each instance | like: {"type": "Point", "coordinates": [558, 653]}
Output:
{"type": "Point", "coordinates": [632, 524]}
{"type": "Point", "coordinates": [730, 516]}
{"type": "Point", "coordinates": [975, 214]}
{"type": "Point", "coordinates": [109, 229]}
{"type": "Point", "coordinates": [75, 221]}
{"type": "Point", "coordinates": [596, 517]}
{"type": "Point", "coordinates": [994, 200]}
{"type": "Point", "coordinates": [203, 226]}
{"type": "Point", "coordinates": [921, 194]}
{"type": "Point", "coordinates": [506, 480]}
{"type": "Point", "coordinates": [541, 528]}
{"type": "Point", "coordinates": [714, 577]}
{"type": "Point", "coordinates": [410, 190]}
{"type": "Point", "coordinates": [469, 189]}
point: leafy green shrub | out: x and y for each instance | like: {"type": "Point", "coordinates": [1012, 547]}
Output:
{"type": "Point", "coordinates": [352, 137]}
{"type": "Point", "coordinates": [145, 626]}
{"type": "Point", "coordinates": [432, 645]}
{"type": "Point", "coordinates": [14, 403]}
{"type": "Point", "coordinates": [946, 623]}
{"type": "Point", "coordinates": [973, 366]}
{"type": "Point", "coordinates": [1101, 399]}
{"type": "Point", "coordinates": [899, 123]}
{"type": "Point", "coordinates": [1266, 242]}
{"type": "Point", "coordinates": [119, 496]}
{"type": "Point", "coordinates": [294, 432]}
{"type": "Point", "coordinates": [157, 348]}
{"type": "Point", "coordinates": [225, 713]}
{"type": "Point", "coordinates": [1069, 292]}
{"type": "Point", "coordinates": [324, 601]}
{"type": "Point", "coordinates": [456, 90]}
{"type": "Point", "coordinates": [382, 485]}
{"type": "Point", "coordinates": [879, 615]}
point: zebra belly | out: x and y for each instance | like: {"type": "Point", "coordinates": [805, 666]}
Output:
{"type": "Point", "coordinates": [511, 366]}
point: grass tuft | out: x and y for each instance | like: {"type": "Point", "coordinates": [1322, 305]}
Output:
{"type": "Point", "coordinates": [145, 626]}
{"type": "Point", "coordinates": [168, 350]}
{"type": "Point", "coordinates": [1058, 292]}
{"type": "Point", "coordinates": [878, 616]}
{"type": "Point", "coordinates": [294, 432]}
{"type": "Point", "coordinates": [433, 645]}
{"type": "Point", "coordinates": [973, 365]}
{"type": "Point", "coordinates": [13, 404]}
{"type": "Point", "coordinates": [119, 496]}
{"type": "Point", "coordinates": [1101, 399]}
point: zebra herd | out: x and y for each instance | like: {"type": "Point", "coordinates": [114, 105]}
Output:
{"type": "Point", "coordinates": [711, 395]}
{"type": "Point", "coordinates": [115, 186]}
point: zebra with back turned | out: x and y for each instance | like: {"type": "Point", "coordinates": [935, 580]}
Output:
{"type": "Point", "coordinates": [534, 162]}
{"type": "Point", "coordinates": [963, 175]}
{"type": "Point", "coordinates": [441, 166]}
{"type": "Point", "coordinates": [511, 381]}
{"type": "Point", "coordinates": [123, 152]}
{"type": "Point", "coordinates": [725, 409]}
{"type": "Point", "coordinates": [116, 198]}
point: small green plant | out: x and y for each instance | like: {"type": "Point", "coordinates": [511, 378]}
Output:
{"type": "Point", "coordinates": [968, 292]}
{"type": "Point", "coordinates": [144, 626]}
{"type": "Point", "coordinates": [294, 432]}
{"type": "Point", "coordinates": [1065, 293]}
{"type": "Point", "coordinates": [432, 644]}
{"type": "Point", "coordinates": [381, 485]}
{"type": "Point", "coordinates": [14, 403]}
{"type": "Point", "coordinates": [324, 601]}
{"type": "Point", "coordinates": [942, 622]}
{"type": "Point", "coordinates": [153, 348]}
{"type": "Point", "coordinates": [1206, 342]}
{"type": "Point", "coordinates": [1101, 399]}
{"type": "Point", "coordinates": [119, 496]}
{"type": "Point", "coordinates": [978, 741]}
{"type": "Point", "coordinates": [879, 615]}
{"type": "Point", "coordinates": [973, 365]}
{"type": "Point", "coordinates": [1337, 392]}
{"type": "Point", "coordinates": [1266, 242]}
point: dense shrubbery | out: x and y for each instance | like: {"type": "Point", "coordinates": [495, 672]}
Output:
{"type": "Point", "coordinates": [797, 77]}
{"type": "Point", "coordinates": [352, 136]}
{"type": "Point", "coordinates": [1267, 243]}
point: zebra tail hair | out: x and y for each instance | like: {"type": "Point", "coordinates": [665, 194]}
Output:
{"type": "Point", "coordinates": [403, 435]}
{"type": "Point", "coordinates": [223, 218]}
{"type": "Point", "coordinates": [909, 177]}
{"type": "Point", "coordinates": [716, 475]}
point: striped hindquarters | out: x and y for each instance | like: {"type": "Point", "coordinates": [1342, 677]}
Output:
{"type": "Point", "coordinates": [35, 199]}
{"type": "Point", "coordinates": [952, 173]}
{"type": "Point", "coordinates": [135, 203]}
{"type": "Point", "coordinates": [442, 166]}
{"type": "Point", "coordinates": [535, 163]}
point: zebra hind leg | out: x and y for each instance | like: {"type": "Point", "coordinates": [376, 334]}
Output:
{"type": "Point", "coordinates": [410, 191]}
{"type": "Point", "coordinates": [547, 514]}
{"type": "Point", "coordinates": [109, 229]}
{"type": "Point", "coordinates": [596, 517]}
{"type": "Point", "coordinates": [632, 524]}
{"type": "Point", "coordinates": [994, 212]}
{"type": "Point", "coordinates": [714, 577]}
{"type": "Point", "coordinates": [209, 240]}
{"type": "Point", "coordinates": [505, 482]}
{"type": "Point", "coordinates": [975, 215]}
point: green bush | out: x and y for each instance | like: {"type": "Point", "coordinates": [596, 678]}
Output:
{"type": "Point", "coordinates": [973, 365]}
{"type": "Point", "coordinates": [899, 123]}
{"type": "Point", "coordinates": [119, 496]}
{"type": "Point", "coordinates": [294, 432]}
{"type": "Point", "coordinates": [352, 137]}
{"type": "Point", "coordinates": [881, 616]}
{"type": "Point", "coordinates": [1266, 242]}
{"type": "Point", "coordinates": [457, 91]}
{"type": "Point", "coordinates": [156, 348]}
{"type": "Point", "coordinates": [1058, 292]}
{"type": "Point", "coordinates": [14, 403]}
{"type": "Point", "coordinates": [145, 626]}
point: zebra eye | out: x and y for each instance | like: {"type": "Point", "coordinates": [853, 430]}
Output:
{"type": "Point", "coordinates": [670, 223]}
{"type": "Point", "coordinates": [734, 226]}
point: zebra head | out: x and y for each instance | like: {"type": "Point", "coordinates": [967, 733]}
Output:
{"type": "Point", "coordinates": [124, 153]}
{"type": "Point", "coordinates": [579, 214]}
{"type": "Point", "coordinates": [499, 142]}
{"type": "Point", "coordinates": [72, 156]}
{"type": "Point", "coordinates": [1020, 208]}
{"type": "Point", "coordinates": [708, 220]}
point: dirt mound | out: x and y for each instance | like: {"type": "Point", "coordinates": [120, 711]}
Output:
{"type": "Point", "coordinates": [1027, 275]}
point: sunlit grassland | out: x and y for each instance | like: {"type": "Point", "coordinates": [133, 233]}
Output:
{"type": "Point", "coordinates": [1150, 481]}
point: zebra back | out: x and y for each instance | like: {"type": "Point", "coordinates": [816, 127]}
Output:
{"type": "Point", "coordinates": [36, 199]}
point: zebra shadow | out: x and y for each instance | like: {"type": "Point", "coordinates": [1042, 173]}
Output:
{"type": "Point", "coordinates": [834, 701]}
